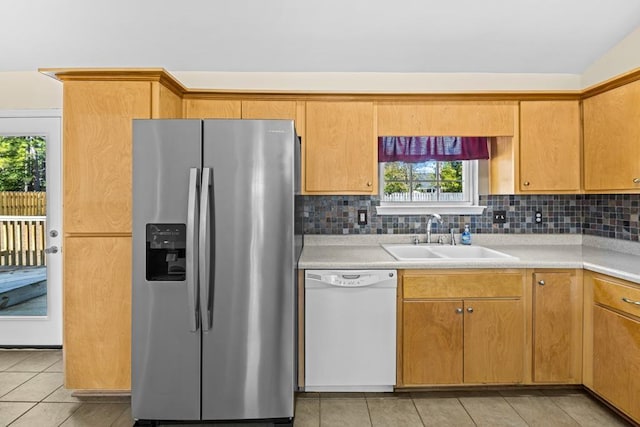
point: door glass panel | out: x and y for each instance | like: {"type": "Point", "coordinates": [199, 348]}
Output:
{"type": "Point", "coordinates": [23, 275]}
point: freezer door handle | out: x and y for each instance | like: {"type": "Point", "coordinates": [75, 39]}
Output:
{"type": "Point", "coordinates": [205, 247]}
{"type": "Point", "coordinates": [192, 249]}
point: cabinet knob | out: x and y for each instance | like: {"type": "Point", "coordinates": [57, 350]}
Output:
{"type": "Point", "coordinates": [470, 309]}
{"type": "Point", "coordinates": [526, 183]}
{"type": "Point", "coordinates": [459, 310]}
{"type": "Point", "coordinates": [636, 180]}
{"type": "Point", "coordinates": [369, 184]}
{"type": "Point", "coordinates": [541, 282]}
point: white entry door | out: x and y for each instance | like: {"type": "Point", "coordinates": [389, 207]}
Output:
{"type": "Point", "coordinates": [30, 229]}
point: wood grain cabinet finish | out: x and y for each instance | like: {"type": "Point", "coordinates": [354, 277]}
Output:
{"type": "Point", "coordinates": [447, 118]}
{"type": "Point", "coordinates": [97, 153]}
{"type": "Point", "coordinates": [341, 149]}
{"type": "Point", "coordinates": [557, 327]}
{"type": "Point", "coordinates": [197, 108]}
{"type": "Point", "coordinates": [549, 146]}
{"type": "Point", "coordinates": [97, 313]}
{"type": "Point", "coordinates": [465, 337]}
{"type": "Point", "coordinates": [612, 140]}
{"type": "Point", "coordinates": [612, 341]}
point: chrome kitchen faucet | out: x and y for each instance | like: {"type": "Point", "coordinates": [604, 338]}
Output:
{"type": "Point", "coordinates": [431, 217]}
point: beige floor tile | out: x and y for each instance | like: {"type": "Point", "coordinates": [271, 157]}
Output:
{"type": "Point", "coordinates": [442, 411]}
{"type": "Point", "coordinates": [9, 358]}
{"type": "Point", "coordinates": [310, 395]}
{"type": "Point", "coordinates": [36, 362]}
{"type": "Point", "coordinates": [393, 412]}
{"type": "Point", "coordinates": [65, 395]}
{"type": "Point", "coordinates": [96, 415]}
{"type": "Point", "coordinates": [344, 413]}
{"type": "Point", "coordinates": [46, 415]}
{"type": "Point", "coordinates": [307, 413]}
{"type": "Point", "coordinates": [36, 389]}
{"type": "Point", "coordinates": [56, 367]}
{"type": "Point", "coordinates": [537, 409]}
{"type": "Point", "coordinates": [338, 395]}
{"type": "Point", "coordinates": [491, 410]}
{"type": "Point", "coordinates": [587, 411]}
{"type": "Point", "coordinates": [11, 380]}
{"type": "Point", "coordinates": [9, 411]}
{"type": "Point", "coordinates": [125, 419]}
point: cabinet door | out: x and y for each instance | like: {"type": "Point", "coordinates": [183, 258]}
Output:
{"type": "Point", "coordinates": [550, 146]}
{"type": "Point", "coordinates": [340, 153]}
{"type": "Point", "coordinates": [212, 109]}
{"type": "Point", "coordinates": [616, 359]}
{"type": "Point", "coordinates": [97, 313]}
{"type": "Point", "coordinates": [557, 328]}
{"type": "Point", "coordinates": [97, 153]}
{"type": "Point", "coordinates": [493, 341]}
{"type": "Point", "coordinates": [269, 110]}
{"type": "Point", "coordinates": [611, 135]}
{"type": "Point", "coordinates": [432, 342]}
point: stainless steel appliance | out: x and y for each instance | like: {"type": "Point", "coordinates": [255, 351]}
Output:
{"type": "Point", "coordinates": [215, 249]}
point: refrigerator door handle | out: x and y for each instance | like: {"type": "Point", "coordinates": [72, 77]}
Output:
{"type": "Point", "coordinates": [192, 248]}
{"type": "Point", "coordinates": [205, 247]}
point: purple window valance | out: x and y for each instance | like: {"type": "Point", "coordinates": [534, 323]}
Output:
{"type": "Point", "coordinates": [415, 149]}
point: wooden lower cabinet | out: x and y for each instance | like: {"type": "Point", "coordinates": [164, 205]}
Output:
{"type": "Point", "coordinates": [613, 355]}
{"type": "Point", "coordinates": [97, 313]}
{"type": "Point", "coordinates": [477, 336]}
{"type": "Point", "coordinates": [432, 342]}
{"type": "Point", "coordinates": [557, 326]}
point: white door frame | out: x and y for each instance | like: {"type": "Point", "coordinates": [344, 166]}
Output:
{"type": "Point", "coordinates": [41, 331]}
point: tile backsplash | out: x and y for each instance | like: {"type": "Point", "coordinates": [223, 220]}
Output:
{"type": "Point", "coordinates": [614, 216]}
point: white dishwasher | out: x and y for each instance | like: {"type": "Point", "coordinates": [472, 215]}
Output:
{"type": "Point", "coordinates": [350, 330]}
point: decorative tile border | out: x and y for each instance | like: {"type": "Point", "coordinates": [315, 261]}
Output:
{"type": "Point", "coordinates": [614, 216]}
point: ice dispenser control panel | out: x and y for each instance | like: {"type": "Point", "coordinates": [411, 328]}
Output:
{"type": "Point", "coordinates": [166, 252]}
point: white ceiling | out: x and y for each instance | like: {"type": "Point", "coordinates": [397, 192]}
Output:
{"type": "Point", "coordinates": [446, 36]}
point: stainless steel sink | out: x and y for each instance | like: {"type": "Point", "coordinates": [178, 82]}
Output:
{"type": "Point", "coordinates": [441, 253]}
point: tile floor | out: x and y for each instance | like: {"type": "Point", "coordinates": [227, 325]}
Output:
{"type": "Point", "coordinates": [32, 395]}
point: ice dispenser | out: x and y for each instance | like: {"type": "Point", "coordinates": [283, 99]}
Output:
{"type": "Point", "coordinates": [166, 254]}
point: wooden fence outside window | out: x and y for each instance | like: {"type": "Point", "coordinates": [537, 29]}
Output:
{"type": "Point", "coordinates": [22, 240]}
{"type": "Point", "coordinates": [18, 203]}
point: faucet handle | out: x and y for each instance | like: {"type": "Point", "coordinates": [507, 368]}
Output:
{"type": "Point", "coordinates": [441, 239]}
{"type": "Point", "coordinates": [452, 231]}
{"type": "Point", "coordinates": [416, 240]}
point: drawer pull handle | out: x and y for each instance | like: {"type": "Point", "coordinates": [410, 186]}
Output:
{"type": "Point", "coordinates": [636, 180]}
{"type": "Point", "coordinates": [459, 310]}
{"type": "Point", "coordinates": [541, 282]}
{"type": "Point", "coordinates": [470, 309]}
{"type": "Point", "coordinates": [630, 301]}
{"type": "Point", "coordinates": [526, 183]}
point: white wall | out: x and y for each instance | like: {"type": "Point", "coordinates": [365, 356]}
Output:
{"type": "Point", "coordinates": [29, 90]}
{"type": "Point", "coordinates": [624, 57]}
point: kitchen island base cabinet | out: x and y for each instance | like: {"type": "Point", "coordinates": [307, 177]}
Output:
{"type": "Point", "coordinates": [462, 328]}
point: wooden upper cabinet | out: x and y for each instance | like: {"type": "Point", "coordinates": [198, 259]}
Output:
{"type": "Point", "coordinates": [468, 118]}
{"type": "Point", "coordinates": [166, 103]}
{"type": "Point", "coordinates": [269, 110]}
{"type": "Point", "coordinates": [97, 153]}
{"type": "Point", "coordinates": [340, 153]}
{"type": "Point", "coordinates": [212, 109]}
{"type": "Point", "coordinates": [549, 146]}
{"type": "Point", "coordinates": [557, 327]}
{"type": "Point", "coordinates": [612, 140]}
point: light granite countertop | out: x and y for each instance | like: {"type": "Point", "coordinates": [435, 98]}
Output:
{"type": "Point", "coordinates": [614, 258]}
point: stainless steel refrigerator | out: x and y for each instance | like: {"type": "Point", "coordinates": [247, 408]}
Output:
{"type": "Point", "coordinates": [215, 250]}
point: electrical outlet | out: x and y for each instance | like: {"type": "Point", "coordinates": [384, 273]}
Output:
{"type": "Point", "coordinates": [499, 217]}
{"type": "Point", "coordinates": [538, 217]}
{"type": "Point", "coordinates": [362, 217]}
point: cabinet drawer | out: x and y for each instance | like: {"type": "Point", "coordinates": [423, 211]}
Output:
{"type": "Point", "coordinates": [478, 285]}
{"type": "Point", "coordinates": [617, 296]}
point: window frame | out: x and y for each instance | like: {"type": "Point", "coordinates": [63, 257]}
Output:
{"type": "Point", "coordinates": [469, 206]}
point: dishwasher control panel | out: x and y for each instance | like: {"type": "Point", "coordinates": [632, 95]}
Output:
{"type": "Point", "coordinates": [351, 278]}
